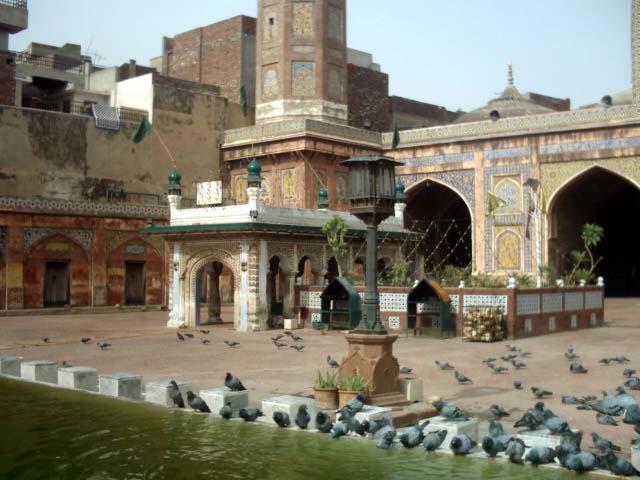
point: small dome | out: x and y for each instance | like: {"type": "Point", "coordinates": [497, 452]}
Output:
{"type": "Point", "coordinates": [323, 198]}
{"type": "Point", "coordinates": [174, 176]}
{"type": "Point", "coordinates": [400, 196]}
{"type": "Point", "coordinates": [254, 167]}
{"type": "Point", "coordinates": [511, 103]}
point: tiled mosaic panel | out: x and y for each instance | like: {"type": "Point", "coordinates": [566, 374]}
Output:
{"type": "Point", "coordinates": [528, 325]}
{"type": "Point", "coordinates": [310, 300]}
{"type": "Point", "coordinates": [394, 323]}
{"type": "Point", "coordinates": [33, 235]}
{"type": "Point", "coordinates": [551, 302]}
{"type": "Point", "coordinates": [590, 145]}
{"type": "Point", "coordinates": [460, 180]}
{"type": "Point", "coordinates": [574, 321]}
{"type": "Point", "coordinates": [470, 301]}
{"type": "Point", "coordinates": [552, 324]}
{"type": "Point", "coordinates": [573, 301]}
{"type": "Point", "coordinates": [303, 19]}
{"type": "Point", "coordinates": [270, 87]}
{"type": "Point", "coordinates": [506, 153]}
{"type": "Point", "coordinates": [393, 302]}
{"type": "Point", "coordinates": [303, 82]}
{"type": "Point", "coordinates": [593, 300]}
{"type": "Point", "coordinates": [455, 299]}
{"type": "Point", "coordinates": [439, 159]}
{"type": "Point", "coordinates": [526, 304]}
{"type": "Point", "coordinates": [316, 317]}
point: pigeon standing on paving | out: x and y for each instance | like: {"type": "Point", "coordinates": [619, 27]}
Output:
{"type": "Point", "coordinates": [498, 411]}
{"type": "Point", "coordinates": [555, 424]}
{"type": "Point", "coordinates": [605, 361]}
{"type": "Point", "coordinates": [533, 418]}
{"type": "Point", "coordinates": [372, 426]}
{"type": "Point", "coordinates": [281, 419]}
{"type": "Point", "coordinates": [232, 343]}
{"type": "Point", "coordinates": [88, 339]}
{"type": "Point", "coordinates": [176, 396]}
{"type": "Point", "coordinates": [462, 444]}
{"type": "Point", "coordinates": [190, 335]}
{"type": "Point", "coordinates": [297, 347]}
{"type": "Point", "coordinates": [296, 338]}
{"type": "Point", "coordinates": [571, 356]}
{"type": "Point", "coordinates": [250, 414]}
{"type": "Point", "coordinates": [517, 384]}
{"type": "Point", "coordinates": [204, 332]}
{"type": "Point", "coordinates": [518, 364]}
{"type": "Point", "coordinates": [180, 336]}
{"type": "Point", "coordinates": [279, 344]}
{"type": "Point", "coordinates": [629, 372]}
{"type": "Point", "coordinates": [331, 362]}
{"type": "Point", "coordinates": [603, 419]}
{"type": "Point", "coordinates": [323, 422]}
{"type": "Point", "coordinates": [433, 440]}
{"type": "Point", "coordinates": [498, 368]}
{"type": "Point", "coordinates": [233, 383]}
{"type": "Point", "coordinates": [103, 345]}
{"type": "Point", "coordinates": [515, 450]}
{"type": "Point", "coordinates": [461, 378]}
{"type": "Point", "coordinates": [633, 383]}
{"type": "Point", "coordinates": [197, 403]}
{"type": "Point", "coordinates": [449, 411]}
{"type": "Point", "coordinates": [414, 435]}
{"type": "Point", "coordinates": [539, 455]}
{"type": "Point", "coordinates": [443, 365]}
{"type": "Point", "coordinates": [405, 369]}
{"type": "Point", "coordinates": [539, 392]}
{"type": "Point", "coordinates": [576, 367]}
{"type": "Point", "coordinates": [45, 339]}
{"type": "Point", "coordinates": [226, 412]}
{"type": "Point", "coordinates": [275, 338]}
{"type": "Point", "coordinates": [386, 439]}
{"type": "Point", "coordinates": [619, 466]}
{"type": "Point", "coordinates": [488, 360]}
{"type": "Point", "coordinates": [570, 400]}
{"type": "Point", "coordinates": [205, 341]}
{"type": "Point", "coordinates": [302, 417]}
{"type": "Point", "coordinates": [339, 429]}
{"type": "Point", "coordinates": [354, 405]}
{"type": "Point", "coordinates": [632, 414]}
{"type": "Point", "coordinates": [603, 444]}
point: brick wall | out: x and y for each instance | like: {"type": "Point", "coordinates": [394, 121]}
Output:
{"type": "Point", "coordinates": [214, 55]}
{"type": "Point", "coordinates": [7, 79]}
{"type": "Point", "coordinates": [368, 94]}
{"type": "Point", "coordinates": [407, 113]}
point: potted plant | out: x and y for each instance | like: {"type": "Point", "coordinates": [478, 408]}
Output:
{"type": "Point", "coordinates": [325, 391]}
{"type": "Point", "coordinates": [349, 386]}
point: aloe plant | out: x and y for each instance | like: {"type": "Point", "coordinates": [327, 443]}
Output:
{"type": "Point", "coordinates": [352, 383]}
{"type": "Point", "coordinates": [326, 380]}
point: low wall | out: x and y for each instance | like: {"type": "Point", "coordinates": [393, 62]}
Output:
{"type": "Point", "coordinates": [529, 311]}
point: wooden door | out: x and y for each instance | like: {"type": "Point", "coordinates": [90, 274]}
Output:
{"type": "Point", "coordinates": [56, 284]}
{"type": "Point", "coordinates": [134, 283]}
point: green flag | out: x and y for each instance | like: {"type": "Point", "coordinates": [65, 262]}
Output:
{"type": "Point", "coordinates": [244, 104]}
{"type": "Point", "coordinates": [143, 129]}
{"type": "Point", "coordinates": [493, 203]}
{"type": "Point", "coordinates": [396, 137]}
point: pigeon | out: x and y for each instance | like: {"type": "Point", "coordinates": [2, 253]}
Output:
{"type": "Point", "coordinates": [619, 466]}
{"type": "Point", "coordinates": [176, 396]}
{"type": "Point", "coordinates": [373, 426]}
{"type": "Point", "coordinates": [302, 417]}
{"type": "Point", "coordinates": [495, 429]}
{"type": "Point", "coordinates": [570, 442]}
{"type": "Point", "coordinates": [433, 440]}
{"type": "Point", "coordinates": [515, 450]}
{"type": "Point", "coordinates": [508, 358]}
{"type": "Point", "coordinates": [296, 338]}
{"type": "Point", "coordinates": [443, 365]}
{"type": "Point", "coordinates": [413, 436]}
{"type": "Point", "coordinates": [511, 348]}
{"type": "Point", "coordinates": [297, 347]}
{"type": "Point", "coordinates": [339, 429]}
{"type": "Point", "coordinates": [226, 412]}
{"type": "Point", "coordinates": [570, 348]}
{"type": "Point", "coordinates": [103, 345]}
{"type": "Point", "coordinates": [570, 400]}
{"type": "Point", "coordinates": [539, 455]}
{"type": "Point", "coordinates": [533, 418]}
{"type": "Point", "coordinates": [180, 336]}
{"type": "Point", "coordinates": [331, 362]}
{"type": "Point", "coordinates": [571, 356]}
{"type": "Point", "coordinates": [524, 353]}
{"type": "Point", "coordinates": [323, 422]}
{"type": "Point", "coordinates": [462, 444]}
{"type": "Point", "coordinates": [190, 335]}
{"type": "Point", "coordinates": [488, 360]}
{"type": "Point", "coordinates": [632, 414]}
{"type": "Point", "coordinates": [603, 419]}
{"type": "Point", "coordinates": [250, 414]}
{"type": "Point", "coordinates": [45, 339]}
{"type": "Point", "coordinates": [233, 383]}
{"type": "Point", "coordinates": [405, 369]}
{"type": "Point", "coordinates": [461, 378]}
{"type": "Point", "coordinates": [205, 341]}
{"type": "Point", "coordinates": [498, 368]}
{"type": "Point", "coordinates": [629, 372]}
{"type": "Point", "coordinates": [197, 403]}
{"type": "Point", "coordinates": [386, 439]}
{"type": "Point", "coordinates": [65, 364]}
{"type": "Point", "coordinates": [539, 392]}
{"type": "Point", "coordinates": [88, 339]}
{"type": "Point", "coordinates": [517, 384]}
{"type": "Point", "coordinates": [623, 399]}
{"type": "Point", "coordinates": [204, 332]}
{"type": "Point", "coordinates": [275, 338]}
{"type": "Point", "coordinates": [579, 462]}
{"type": "Point", "coordinates": [498, 411]}
{"type": "Point", "coordinates": [636, 428]}
{"type": "Point", "coordinates": [633, 383]}
{"type": "Point", "coordinates": [605, 361]}
{"type": "Point", "coordinates": [518, 364]}
{"type": "Point", "coordinates": [356, 427]}
{"type": "Point", "coordinates": [556, 424]}
{"type": "Point", "coordinates": [449, 411]}
{"type": "Point", "coordinates": [575, 367]}
{"type": "Point", "coordinates": [620, 359]}
{"type": "Point", "coordinates": [281, 419]}
{"type": "Point", "coordinates": [603, 444]}
{"type": "Point", "coordinates": [279, 344]}
{"type": "Point", "coordinates": [232, 343]}
{"type": "Point", "coordinates": [354, 405]}
{"type": "Point", "coordinates": [288, 333]}
{"type": "Point", "coordinates": [494, 445]}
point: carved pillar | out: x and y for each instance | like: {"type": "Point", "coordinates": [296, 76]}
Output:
{"type": "Point", "coordinates": [213, 294]}
{"type": "Point", "coordinates": [289, 297]}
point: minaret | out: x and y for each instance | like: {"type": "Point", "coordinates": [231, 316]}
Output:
{"type": "Point", "coordinates": [301, 59]}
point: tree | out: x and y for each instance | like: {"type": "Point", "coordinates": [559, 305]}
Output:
{"type": "Point", "coordinates": [335, 230]}
{"type": "Point", "coordinates": [584, 261]}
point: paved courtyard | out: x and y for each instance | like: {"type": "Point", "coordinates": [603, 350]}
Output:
{"type": "Point", "coordinates": [143, 345]}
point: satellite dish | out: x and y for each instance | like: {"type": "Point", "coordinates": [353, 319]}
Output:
{"type": "Point", "coordinates": [607, 101]}
{"type": "Point", "coordinates": [494, 115]}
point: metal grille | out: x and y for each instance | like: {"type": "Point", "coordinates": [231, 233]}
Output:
{"type": "Point", "coordinates": [106, 117]}
{"type": "Point", "coordinates": [15, 3]}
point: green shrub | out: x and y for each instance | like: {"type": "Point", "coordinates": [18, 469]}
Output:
{"type": "Point", "coordinates": [352, 383]}
{"type": "Point", "coordinates": [326, 380]}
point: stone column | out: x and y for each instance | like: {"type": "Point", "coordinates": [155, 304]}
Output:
{"type": "Point", "coordinates": [288, 306]}
{"type": "Point", "coordinates": [177, 302]}
{"type": "Point", "coordinates": [213, 295]}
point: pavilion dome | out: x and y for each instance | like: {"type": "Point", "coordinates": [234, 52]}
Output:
{"type": "Point", "coordinates": [511, 103]}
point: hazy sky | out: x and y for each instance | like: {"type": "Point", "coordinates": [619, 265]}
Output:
{"type": "Point", "coordinates": [448, 52]}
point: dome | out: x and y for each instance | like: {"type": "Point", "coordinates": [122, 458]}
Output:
{"type": "Point", "coordinates": [254, 167]}
{"type": "Point", "coordinates": [400, 196]}
{"type": "Point", "coordinates": [175, 177]}
{"type": "Point", "coordinates": [511, 103]}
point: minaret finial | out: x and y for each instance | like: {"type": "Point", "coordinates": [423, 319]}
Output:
{"type": "Point", "coordinates": [510, 77]}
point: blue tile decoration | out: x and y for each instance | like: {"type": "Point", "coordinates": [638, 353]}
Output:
{"type": "Point", "coordinates": [506, 153]}
{"type": "Point", "coordinates": [590, 145]}
{"type": "Point", "coordinates": [460, 180]}
{"type": "Point", "coordinates": [439, 159]}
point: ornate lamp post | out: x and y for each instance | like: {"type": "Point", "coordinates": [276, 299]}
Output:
{"type": "Point", "coordinates": [372, 196]}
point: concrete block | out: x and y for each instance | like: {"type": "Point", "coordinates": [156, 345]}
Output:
{"type": "Point", "coordinates": [290, 323]}
{"type": "Point", "coordinates": [80, 378]}
{"type": "Point", "coordinates": [412, 388]}
{"type": "Point", "coordinates": [40, 371]}
{"type": "Point", "coordinates": [10, 365]}
{"type": "Point", "coordinates": [288, 404]}
{"type": "Point", "coordinates": [540, 438]}
{"type": "Point", "coordinates": [125, 385]}
{"type": "Point", "coordinates": [635, 457]}
{"type": "Point", "coordinates": [216, 398]}
{"type": "Point", "coordinates": [369, 412]}
{"type": "Point", "coordinates": [158, 392]}
{"type": "Point", "coordinates": [469, 427]}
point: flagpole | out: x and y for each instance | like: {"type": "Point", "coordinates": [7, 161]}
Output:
{"type": "Point", "coordinates": [173, 161]}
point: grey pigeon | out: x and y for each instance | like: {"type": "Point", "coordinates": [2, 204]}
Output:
{"type": "Point", "coordinates": [443, 365]}
{"type": "Point", "coordinates": [250, 414]}
{"type": "Point", "coordinates": [636, 428]}
{"type": "Point", "coordinates": [629, 372]}
{"type": "Point", "coordinates": [518, 364]}
{"type": "Point", "coordinates": [508, 358]}
{"type": "Point", "coordinates": [176, 396]}
{"type": "Point", "coordinates": [433, 440]}
{"type": "Point", "coordinates": [517, 384]}
{"type": "Point", "coordinates": [579, 462]}
{"type": "Point", "coordinates": [603, 444]}
{"type": "Point", "coordinates": [65, 364]}
{"type": "Point", "coordinates": [623, 399]}
{"type": "Point", "coordinates": [556, 424]}
{"type": "Point", "coordinates": [354, 405]}
{"type": "Point", "coordinates": [88, 339]}
{"type": "Point", "coordinates": [297, 347]}
{"type": "Point", "coordinates": [461, 378]}
{"type": "Point", "coordinates": [515, 450]}
{"type": "Point", "coordinates": [373, 426]}
{"type": "Point", "coordinates": [570, 442]}
{"type": "Point", "coordinates": [45, 339]}
{"type": "Point", "coordinates": [190, 335]}
{"type": "Point", "coordinates": [619, 466]}
{"type": "Point", "coordinates": [570, 400]}
{"type": "Point", "coordinates": [331, 362]}
{"type": "Point", "coordinates": [233, 383]}
{"type": "Point", "coordinates": [533, 418]}
{"type": "Point", "coordinates": [180, 336]}
{"type": "Point", "coordinates": [288, 332]}
{"type": "Point", "coordinates": [571, 356]}
{"type": "Point", "coordinates": [449, 411]}
{"type": "Point", "coordinates": [462, 444]}
{"type": "Point", "coordinates": [605, 361]}
{"type": "Point", "coordinates": [498, 411]}
{"type": "Point", "coordinates": [494, 445]}
{"type": "Point", "coordinates": [632, 414]}
{"type": "Point", "coordinates": [356, 427]}
{"type": "Point", "coordinates": [524, 353]}
{"type": "Point", "coordinates": [603, 419]}
{"type": "Point", "coordinates": [575, 367]}
{"type": "Point", "coordinates": [323, 422]}
{"type": "Point", "coordinates": [511, 348]}
{"type": "Point", "coordinates": [232, 343]}
{"type": "Point", "coordinates": [275, 338]}
{"type": "Point", "coordinates": [405, 369]}
{"type": "Point", "coordinates": [279, 344]}
{"type": "Point", "coordinates": [281, 419]}
{"type": "Point", "coordinates": [296, 338]}
{"type": "Point", "coordinates": [103, 345]}
{"type": "Point", "coordinates": [608, 405]}
{"type": "Point", "coordinates": [498, 368]}
{"type": "Point", "coordinates": [620, 359]}
{"type": "Point", "coordinates": [226, 412]}
{"type": "Point", "coordinates": [197, 403]}
{"type": "Point", "coordinates": [488, 360]}
{"type": "Point", "coordinates": [204, 332]}
{"type": "Point", "coordinates": [495, 428]}
{"type": "Point", "coordinates": [539, 392]}
{"type": "Point", "coordinates": [302, 417]}
{"type": "Point", "coordinates": [205, 341]}
{"type": "Point", "coordinates": [413, 436]}
{"type": "Point", "coordinates": [339, 429]}
{"type": "Point", "coordinates": [633, 383]}
{"type": "Point", "coordinates": [539, 455]}
{"type": "Point", "coordinates": [386, 439]}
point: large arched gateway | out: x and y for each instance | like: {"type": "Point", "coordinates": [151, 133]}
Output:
{"type": "Point", "coordinates": [607, 199]}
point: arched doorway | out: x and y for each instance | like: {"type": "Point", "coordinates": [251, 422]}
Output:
{"type": "Point", "coordinates": [305, 271]}
{"type": "Point", "coordinates": [276, 292]}
{"type": "Point", "coordinates": [214, 294]}
{"type": "Point", "coordinates": [611, 201]}
{"type": "Point", "coordinates": [445, 218]}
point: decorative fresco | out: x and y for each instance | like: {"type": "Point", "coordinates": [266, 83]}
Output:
{"type": "Point", "coordinates": [509, 189]}
{"type": "Point", "coordinates": [342, 193]}
{"type": "Point", "coordinates": [303, 79]}
{"type": "Point", "coordinates": [507, 250]}
{"type": "Point", "coordinates": [288, 187]}
{"type": "Point", "coordinates": [270, 87]}
{"type": "Point", "coordinates": [240, 189]}
{"type": "Point", "coordinates": [303, 20]}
